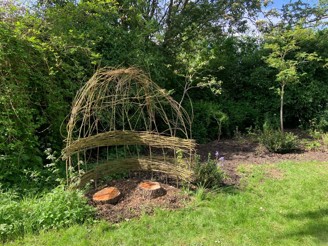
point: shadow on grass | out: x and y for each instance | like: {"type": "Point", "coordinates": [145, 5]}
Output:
{"type": "Point", "coordinates": [316, 227]}
{"type": "Point", "coordinates": [318, 214]}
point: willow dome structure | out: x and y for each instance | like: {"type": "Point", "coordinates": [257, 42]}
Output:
{"type": "Point", "coordinates": [122, 121]}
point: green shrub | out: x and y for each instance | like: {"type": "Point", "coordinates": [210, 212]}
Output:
{"type": "Point", "coordinates": [311, 144]}
{"type": "Point", "coordinates": [323, 122]}
{"type": "Point", "coordinates": [208, 174]}
{"type": "Point", "coordinates": [278, 142]}
{"type": "Point", "coordinates": [56, 209]}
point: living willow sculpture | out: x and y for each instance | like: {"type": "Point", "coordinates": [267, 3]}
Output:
{"type": "Point", "coordinates": [122, 110]}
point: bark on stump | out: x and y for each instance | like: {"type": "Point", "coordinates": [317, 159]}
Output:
{"type": "Point", "coordinates": [151, 190]}
{"type": "Point", "coordinates": [109, 195]}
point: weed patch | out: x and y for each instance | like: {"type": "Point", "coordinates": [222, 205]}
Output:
{"type": "Point", "coordinates": [56, 209]}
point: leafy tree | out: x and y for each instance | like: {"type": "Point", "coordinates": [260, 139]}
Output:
{"type": "Point", "coordinates": [286, 57]}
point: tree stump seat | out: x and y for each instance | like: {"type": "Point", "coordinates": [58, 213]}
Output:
{"type": "Point", "coordinates": [109, 195]}
{"type": "Point", "coordinates": [151, 190]}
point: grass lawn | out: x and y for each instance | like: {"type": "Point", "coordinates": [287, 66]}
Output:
{"type": "Point", "coordinates": [281, 204]}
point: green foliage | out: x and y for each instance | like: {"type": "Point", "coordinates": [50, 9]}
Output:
{"type": "Point", "coordinates": [237, 63]}
{"type": "Point", "coordinates": [209, 173]}
{"type": "Point", "coordinates": [322, 122]}
{"type": "Point", "coordinates": [208, 120]}
{"type": "Point", "coordinates": [270, 122]}
{"type": "Point", "coordinates": [200, 194]}
{"type": "Point", "coordinates": [52, 173]}
{"type": "Point", "coordinates": [286, 57]}
{"type": "Point", "coordinates": [53, 210]}
{"type": "Point", "coordinates": [311, 144]}
{"type": "Point", "coordinates": [325, 139]}
{"type": "Point", "coordinates": [277, 142]}
{"type": "Point", "coordinates": [242, 115]}
{"type": "Point", "coordinates": [307, 99]}
{"type": "Point", "coordinates": [34, 85]}
{"type": "Point", "coordinates": [315, 134]}
{"type": "Point", "coordinates": [19, 152]}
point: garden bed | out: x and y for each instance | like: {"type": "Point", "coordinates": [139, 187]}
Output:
{"type": "Point", "coordinates": [134, 204]}
{"type": "Point", "coordinates": [236, 152]}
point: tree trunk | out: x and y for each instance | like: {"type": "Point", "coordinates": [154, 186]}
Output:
{"type": "Point", "coordinates": [151, 190]}
{"type": "Point", "coordinates": [282, 92]}
{"type": "Point", "coordinates": [107, 195]}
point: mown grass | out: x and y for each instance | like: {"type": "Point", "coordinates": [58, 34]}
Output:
{"type": "Point", "coordinates": [282, 204]}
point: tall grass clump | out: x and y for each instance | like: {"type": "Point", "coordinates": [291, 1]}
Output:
{"type": "Point", "coordinates": [53, 210]}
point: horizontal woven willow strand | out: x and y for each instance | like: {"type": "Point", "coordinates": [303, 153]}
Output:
{"type": "Point", "coordinates": [115, 138]}
{"type": "Point", "coordinates": [157, 164]}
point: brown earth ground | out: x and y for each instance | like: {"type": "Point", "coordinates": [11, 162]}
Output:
{"type": "Point", "coordinates": [235, 152]}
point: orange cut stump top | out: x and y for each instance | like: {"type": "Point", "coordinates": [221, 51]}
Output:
{"type": "Point", "coordinates": [148, 185]}
{"type": "Point", "coordinates": [106, 194]}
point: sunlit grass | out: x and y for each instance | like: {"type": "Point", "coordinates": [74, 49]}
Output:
{"type": "Point", "coordinates": [282, 204]}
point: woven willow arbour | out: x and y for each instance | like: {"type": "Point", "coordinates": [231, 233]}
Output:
{"type": "Point", "coordinates": [121, 109]}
